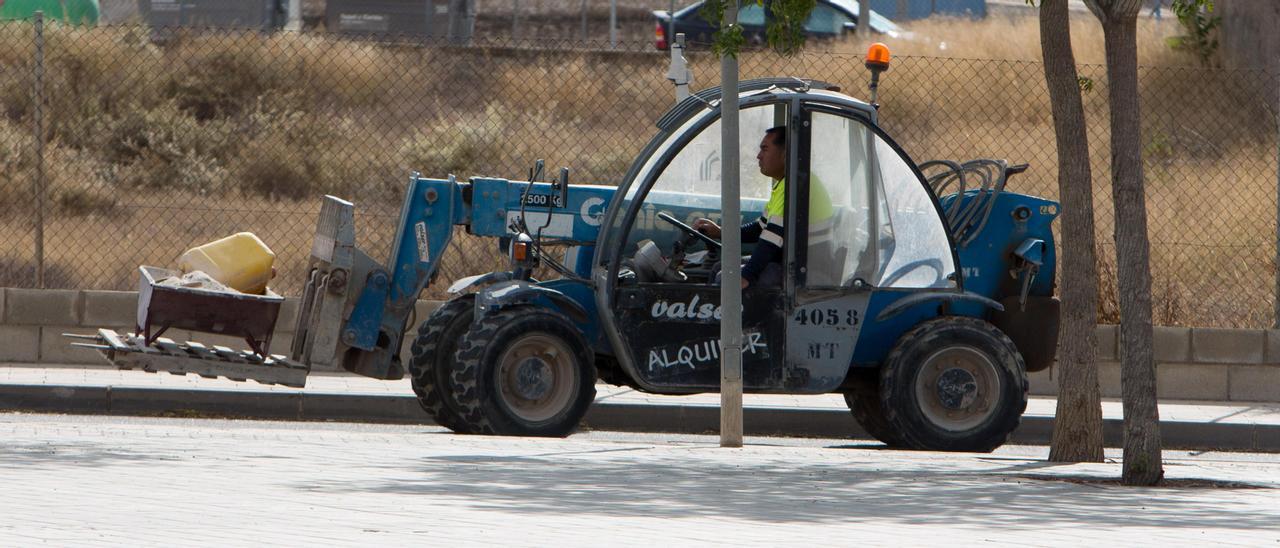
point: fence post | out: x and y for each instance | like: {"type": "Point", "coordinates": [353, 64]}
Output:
{"type": "Point", "coordinates": [294, 18]}
{"type": "Point", "coordinates": [613, 24]}
{"type": "Point", "coordinates": [1275, 83]}
{"type": "Point", "coordinates": [515, 19]}
{"type": "Point", "coordinates": [584, 20]}
{"type": "Point", "coordinates": [462, 20]}
{"type": "Point", "coordinates": [671, 21]}
{"type": "Point", "coordinates": [38, 114]}
{"type": "Point", "coordinates": [678, 70]}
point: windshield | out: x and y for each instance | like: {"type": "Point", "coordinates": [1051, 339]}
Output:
{"type": "Point", "coordinates": [686, 182]}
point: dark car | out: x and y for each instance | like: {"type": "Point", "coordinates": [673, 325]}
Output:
{"type": "Point", "coordinates": [829, 19]}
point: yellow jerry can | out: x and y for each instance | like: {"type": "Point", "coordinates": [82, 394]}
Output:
{"type": "Point", "coordinates": [241, 262]}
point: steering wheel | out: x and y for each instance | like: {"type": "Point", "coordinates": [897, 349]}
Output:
{"type": "Point", "coordinates": [711, 242]}
{"type": "Point", "coordinates": [933, 264]}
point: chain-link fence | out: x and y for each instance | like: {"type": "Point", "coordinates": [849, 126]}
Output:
{"type": "Point", "coordinates": [158, 141]}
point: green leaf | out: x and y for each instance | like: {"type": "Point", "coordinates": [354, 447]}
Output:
{"type": "Point", "coordinates": [785, 32]}
{"type": "Point", "coordinates": [1200, 25]}
{"type": "Point", "coordinates": [728, 41]}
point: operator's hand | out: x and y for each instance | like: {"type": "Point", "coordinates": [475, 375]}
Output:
{"type": "Point", "coordinates": [708, 227]}
{"type": "Point", "coordinates": [745, 283]}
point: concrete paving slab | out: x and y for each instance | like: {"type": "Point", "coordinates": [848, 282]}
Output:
{"type": "Point", "coordinates": [112, 481]}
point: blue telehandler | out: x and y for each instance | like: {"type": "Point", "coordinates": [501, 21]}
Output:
{"type": "Point", "coordinates": [925, 301]}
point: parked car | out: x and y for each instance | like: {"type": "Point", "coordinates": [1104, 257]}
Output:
{"type": "Point", "coordinates": [829, 19]}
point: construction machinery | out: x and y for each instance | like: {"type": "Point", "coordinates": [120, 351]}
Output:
{"type": "Point", "coordinates": [925, 301]}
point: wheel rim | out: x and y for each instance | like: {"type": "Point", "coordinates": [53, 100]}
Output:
{"type": "Point", "coordinates": [535, 377]}
{"type": "Point", "coordinates": [958, 388]}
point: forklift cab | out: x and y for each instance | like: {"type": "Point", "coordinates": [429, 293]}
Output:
{"type": "Point", "coordinates": [882, 231]}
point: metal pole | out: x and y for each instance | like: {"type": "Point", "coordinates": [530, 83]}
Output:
{"type": "Point", "coordinates": [1275, 82]}
{"type": "Point", "coordinates": [864, 19]}
{"type": "Point", "coordinates": [613, 23]}
{"type": "Point", "coordinates": [39, 120]}
{"type": "Point", "coordinates": [671, 21]}
{"type": "Point", "coordinates": [515, 19]}
{"type": "Point", "coordinates": [730, 288]}
{"type": "Point", "coordinates": [295, 16]}
{"type": "Point", "coordinates": [469, 21]}
{"type": "Point", "coordinates": [678, 71]}
{"type": "Point", "coordinates": [584, 20]}
{"type": "Point", "coordinates": [452, 33]}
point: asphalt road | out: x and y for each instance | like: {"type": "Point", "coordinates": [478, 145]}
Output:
{"type": "Point", "coordinates": [90, 480]}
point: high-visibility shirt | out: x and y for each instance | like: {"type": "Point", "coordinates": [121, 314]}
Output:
{"type": "Point", "coordinates": [769, 233]}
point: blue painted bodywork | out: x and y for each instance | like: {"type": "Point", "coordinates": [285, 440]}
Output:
{"type": "Point", "coordinates": [984, 268]}
{"type": "Point", "coordinates": [433, 206]}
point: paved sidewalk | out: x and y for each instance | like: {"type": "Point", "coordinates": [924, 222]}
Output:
{"type": "Point", "coordinates": [126, 481]}
{"type": "Point", "coordinates": [349, 397]}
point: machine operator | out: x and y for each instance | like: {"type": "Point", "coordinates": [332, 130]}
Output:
{"type": "Point", "coordinates": [764, 268]}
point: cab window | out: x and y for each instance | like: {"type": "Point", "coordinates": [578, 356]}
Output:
{"type": "Point", "coordinates": [688, 187]}
{"type": "Point", "coordinates": [869, 216]}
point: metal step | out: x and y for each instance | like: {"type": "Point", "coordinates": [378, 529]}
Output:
{"type": "Point", "coordinates": [130, 352]}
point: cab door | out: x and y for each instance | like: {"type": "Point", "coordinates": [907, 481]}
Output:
{"type": "Point", "coordinates": [864, 222]}
{"type": "Point", "coordinates": [669, 314]}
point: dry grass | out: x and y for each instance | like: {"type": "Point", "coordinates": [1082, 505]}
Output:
{"type": "Point", "coordinates": [1018, 38]}
{"type": "Point", "coordinates": [155, 148]}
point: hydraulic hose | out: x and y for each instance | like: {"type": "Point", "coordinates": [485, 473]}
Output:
{"type": "Point", "coordinates": [984, 177]}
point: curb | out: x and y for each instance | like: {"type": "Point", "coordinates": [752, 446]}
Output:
{"type": "Point", "coordinates": [683, 419]}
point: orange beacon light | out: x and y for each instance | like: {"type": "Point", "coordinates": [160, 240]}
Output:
{"type": "Point", "coordinates": [878, 57]}
{"type": "Point", "coordinates": [877, 61]}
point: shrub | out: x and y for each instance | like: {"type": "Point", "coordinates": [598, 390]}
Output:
{"type": "Point", "coordinates": [222, 81]}
{"type": "Point", "coordinates": [79, 201]}
{"type": "Point", "coordinates": [458, 149]}
{"type": "Point", "coordinates": [293, 154]}
{"type": "Point", "coordinates": [166, 148]}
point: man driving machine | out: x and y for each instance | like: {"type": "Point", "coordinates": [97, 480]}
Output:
{"type": "Point", "coordinates": [764, 268]}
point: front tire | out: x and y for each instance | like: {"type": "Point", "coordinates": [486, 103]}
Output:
{"type": "Point", "coordinates": [863, 398]}
{"type": "Point", "coordinates": [954, 384]}
{"type": "Point", "coordinates": [524, 372]}
{"type": "Point", "coordinates": [432, 364]}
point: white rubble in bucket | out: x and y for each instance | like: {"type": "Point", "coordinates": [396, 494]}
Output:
{"type": "Point", "coordinates": [196, 279]}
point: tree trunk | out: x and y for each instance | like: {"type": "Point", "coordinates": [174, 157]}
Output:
{"type": "Point", "coordinates": [1077, 427]}
{"type": "Point", "coordinates": [1142, 458]}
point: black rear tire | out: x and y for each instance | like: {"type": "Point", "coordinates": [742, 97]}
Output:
{"type": "Point", "coordinates": [524, 372]}
{"type": "Point", "coordinates": [954, 384]}
{"type": "Point", "coordinates": [434, 355]}
{"type": "Point", "coordinates": [863, 398]}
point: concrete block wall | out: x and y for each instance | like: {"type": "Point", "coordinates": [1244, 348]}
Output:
{"type": "Point", "coordinates": [33, 322]}
{"type": "Point", "coordinates": [1192, 363]}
